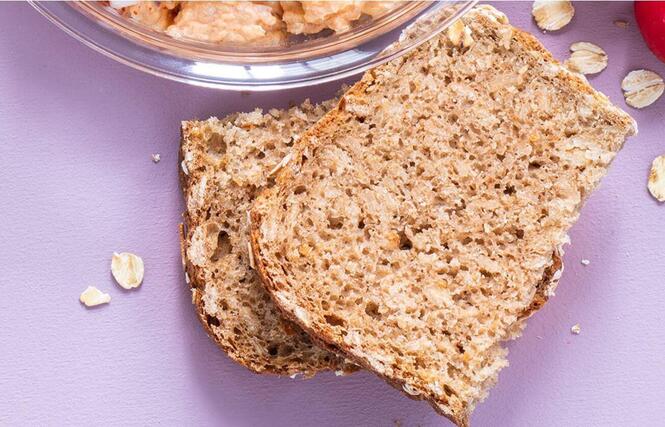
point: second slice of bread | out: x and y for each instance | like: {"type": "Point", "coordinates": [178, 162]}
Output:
{"type": "Point", "coordinates": [224, 164]}
{"type": "Point", "coordinates": [419, 223]}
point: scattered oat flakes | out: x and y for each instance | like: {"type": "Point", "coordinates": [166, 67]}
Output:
{"type": "Point", "coordinates": [455, 32]}
{"type": "Point", "coordinates": [552, 15]}
{"type": "Point", "coordinates": [642, 88]}
{"type": "Point", "coordinates": [621, 23]}
{"type": "Point", "coordinates": [281, 164]}
{"type": "Point", "coordinates": [576, 329]}
{"type": "Point", "coordinates": [156, 158]}
{"type": "Point", "coordinates": [93, 296]}
{"type": "Point", "coordinates": [127, 269]}
{"type": "Point", "coordinates": [586, 58]}
{"type": "Point", "coordinates": [585, 262]}
{"type": "Point", "coordinates": [459, 34]}
{"type": "Point", "coordinates": [656, 183]}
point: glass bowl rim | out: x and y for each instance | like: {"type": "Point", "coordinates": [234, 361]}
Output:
{"type": "Point", "coordinates": [200, 68]}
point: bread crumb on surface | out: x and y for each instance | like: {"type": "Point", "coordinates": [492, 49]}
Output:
{"type": "Point", "coordinates": [156, 158]}
{"type": "Point", "coordinates": [93, 296]}
{"type": "Point", "coordinates": [642, 88]}
{"type": "Point", "coordinates": [656, 183]}
{"type": "Point", "coordinates": [552, 15]}
{"type": "Point", "coordinates": [585, 262]}
{"type": "Point", "coordinates": [586, 58]}
{"type": "Point", "coordinates": [575, 329]}
{"type": "Point", "coordinates": [127, 269]}
{"type": "Point", "coordinates": [621, 23]}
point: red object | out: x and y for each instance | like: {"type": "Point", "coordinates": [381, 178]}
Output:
{"type": "Point", "coordinates": [650, 16]}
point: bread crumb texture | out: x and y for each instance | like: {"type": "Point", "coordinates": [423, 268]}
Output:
{"type": "Point", "coordinates": [93, 296]}
{"type": "Point", "coordinates": [227, 162]}
{"type": "Point", "coordinates": [421, 222]}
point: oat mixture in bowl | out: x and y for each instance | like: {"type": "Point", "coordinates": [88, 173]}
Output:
{"type": "Point", "coordinates": [253, 45]}
{"type": "Point", "coordinates": [258, 22]}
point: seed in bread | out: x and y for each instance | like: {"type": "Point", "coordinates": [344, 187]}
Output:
{"type": "Point", "coordinates": [225, 163]}
{"type": "Point", "coordinates": [434, 202]}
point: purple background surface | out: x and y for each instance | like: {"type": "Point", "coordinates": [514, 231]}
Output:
{"type": "Point", "coordinates": [77, 183]}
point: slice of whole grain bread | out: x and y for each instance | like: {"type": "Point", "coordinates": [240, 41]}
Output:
{"type": "Point", "coordinates": [420, 222]}
{"type": "Point", "coordinates": [225, 162]}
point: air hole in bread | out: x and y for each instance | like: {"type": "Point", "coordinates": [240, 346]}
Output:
{"type": "Point", "coordinates": [519, 233]}
{"type": "Point", "coordinates": [223, 246]}
{"type": "Point", "coordinates": [299, 189]}
{"type": "Point", "coordinates": [405, 243]}
{"type": "Point", "coordinates": [334, 320]}
{"type": "Point", "coordinates": [335, 223]}
{"type": "Point", "coordinates": [509, 190]}
{"type": "Point", "coordinates": [217, 143]}
{"type": "Point", "coordinates": [534, 166]}
{"type": "Point", "coordinates": [212, 321]}
{"type": "Point", "coordinates": [372, 309]}
{"type": "Point", "coordinates": [273, 349]}
{"type": "Point", "coordinates": [361, 224]}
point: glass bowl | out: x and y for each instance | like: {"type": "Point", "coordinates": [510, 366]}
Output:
{"type": "Point", "coordinates": [302, 61]}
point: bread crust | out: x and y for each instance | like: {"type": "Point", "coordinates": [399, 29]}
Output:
{"type": "Point", "coordinates": [458, 413]}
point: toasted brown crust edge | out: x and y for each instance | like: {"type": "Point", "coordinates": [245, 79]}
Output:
{"type": "Point", "coordinates": [548, 280]}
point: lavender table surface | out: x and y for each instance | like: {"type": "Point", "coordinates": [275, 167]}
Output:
{"type": "Point", "coordinates": [77, 131]}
